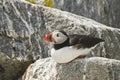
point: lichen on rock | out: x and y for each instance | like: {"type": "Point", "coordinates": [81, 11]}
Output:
{"type": "Point", "coordinates": [95, 68]}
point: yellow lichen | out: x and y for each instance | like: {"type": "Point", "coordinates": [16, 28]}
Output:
{"type": "Point", "coordinates": [49, 3]}
{"type": "Point", "coordinates": [31, 1]}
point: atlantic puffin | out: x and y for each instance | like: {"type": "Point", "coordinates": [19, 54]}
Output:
{"type": "Point", "coordinates": [66, 48]}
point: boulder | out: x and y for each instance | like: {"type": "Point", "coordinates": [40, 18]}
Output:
{"type": "Point", "coordinates": [95, 68]}
{"type": "Point", "coordinates": [103, 11]}
{"type": "Point", "coordinates": [24, 25]}
{"type": "Point", "coordinates": [22, 30]}
{"type": "Point", "coordinates": [74, 24]}
{"type": "Point", "coordinates": [12, 68]}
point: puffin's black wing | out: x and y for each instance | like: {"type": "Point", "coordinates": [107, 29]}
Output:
{"type": "Point", "coordinates": [83, 41]}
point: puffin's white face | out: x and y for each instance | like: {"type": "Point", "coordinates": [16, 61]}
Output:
{"type": "Point", "coordinates": [56, 37]}
{"type": "Point", "coordinates": [59, 37]}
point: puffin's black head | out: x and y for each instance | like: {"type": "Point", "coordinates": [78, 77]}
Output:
{"type": "Point", "coordinates": [56, 37]}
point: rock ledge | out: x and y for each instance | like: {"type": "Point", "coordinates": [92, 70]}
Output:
{"type": "Point", "coordinates": [95, 68]}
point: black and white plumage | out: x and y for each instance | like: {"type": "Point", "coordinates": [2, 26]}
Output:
{"type": "Point", "coordinates": [68, 47]}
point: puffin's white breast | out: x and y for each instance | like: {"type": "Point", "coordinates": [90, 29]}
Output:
{"type": "Point", "coordinates": [67, 54]}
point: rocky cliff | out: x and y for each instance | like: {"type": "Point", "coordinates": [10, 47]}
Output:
{"type": "Point", "coordinates": [12, 68]}
{"type": "Point", "coordinates": [95, 68]}
{"type": "Point", "coordinates": [104, 11]}
{"type": "Point", "coordinates": [23, 26]}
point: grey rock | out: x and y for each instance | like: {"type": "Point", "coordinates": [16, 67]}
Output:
{"type": "Point", "coordinates": [103, 69]}
{"type": "Point", "coordinates": [103, 11]}
{"type": "Point", "coordinates": [24, 26]}
{"type": "Point", "coordinates": [74, 24]}
{"type": "Point", "coordinates": [1, 12]}
{"type": "Point", "coordinates": [95, 68]}
{"type": "Point", "coordinates": [22, 30]}
{"type": "Point", "coordinates": [11, 68]}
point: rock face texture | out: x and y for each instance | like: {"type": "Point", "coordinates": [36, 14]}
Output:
{"type": "Point", "coordinates": [11, 68]}
{"type": "Point", "coordinates": [95, 68]}
{"type": "Point", "coordinates": [1, 13]}
{"type": "Point", "coordinates": [22, 30]}
{"type": "Point", "coordinates": [104, 11]}
{"type": "Point", "coordinates": [23, 26]}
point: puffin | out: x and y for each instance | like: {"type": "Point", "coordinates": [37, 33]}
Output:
{"type": "Point", "coordinates": [66, 48]}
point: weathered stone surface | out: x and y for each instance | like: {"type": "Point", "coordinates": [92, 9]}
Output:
{"type": "Point", "coordinates": [104, 11]}
{"type": "Point", "coordinates": [95, 68]}
{"type": "Point", "coordinates": [55, 19]}
{"type": "Point", "coordinates": [11, 68]}
{"type": "Point", "coordinates": [1, 12]}
{"type": "Point", "coordinates": [25, 25]}
{"type": "Point", "coordinates": [103, 69]}
{"type": "Point", "coordinates": [22, 31]}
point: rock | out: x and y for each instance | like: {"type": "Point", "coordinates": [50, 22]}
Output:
{"type": "Point", "coordinates": [22, 30]}
{"type": "Point", "coordinates": [74, 24]}
{"type": "Point", "coordinates": [11, 68]}
{"type": "Point", "coordinates": [103, 11]}
{"type": "Point", "coordinates": [1, 13]}
{"type": "Point", "coordinates": [22, 36]}
{"type": "Point", "coordinates": [103, 69]}
{"type": "Point", "coordinates": [23, 26]}
{"type": "Point", "coordinates": [95, 68]}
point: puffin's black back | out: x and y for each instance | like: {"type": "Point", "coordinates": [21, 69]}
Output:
{"type": "Point", "coordinates": [83, 41]}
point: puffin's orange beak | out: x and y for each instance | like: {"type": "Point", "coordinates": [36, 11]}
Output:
{"type": "Point", "coordinates": [48, 38]}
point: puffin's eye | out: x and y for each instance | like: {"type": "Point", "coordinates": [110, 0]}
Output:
{"type": "Point", "coordinates": [57, 35]}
